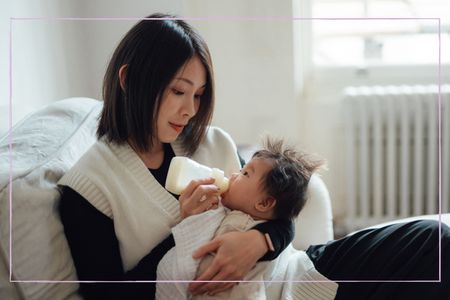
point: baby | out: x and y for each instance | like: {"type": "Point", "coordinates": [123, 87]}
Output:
{"type": "Point", "coordinates": [272, 185]}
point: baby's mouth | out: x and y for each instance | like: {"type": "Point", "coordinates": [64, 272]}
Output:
{"type": "Point", "coordinates": [224, 196]}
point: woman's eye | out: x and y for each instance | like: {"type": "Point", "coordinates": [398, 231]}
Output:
{"type": "Point", "coordinates": [177, 92]}
{"type": "Point", "coordinates": [198, 97]}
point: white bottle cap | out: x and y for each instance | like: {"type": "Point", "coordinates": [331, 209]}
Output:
{"type": "Point", "coordinates": [220, 180]}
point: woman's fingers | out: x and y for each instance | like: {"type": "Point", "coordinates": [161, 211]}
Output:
{"type": "Point", "coordinates": [236, 254]}
{"type": "Point", "coordinates": [199, 196]}
{"type": "Point", "coordinates": [203, 198]}
{"type": "Point", "coordinates": [220, 288]}
{"type": "Point", "coordinates": [190, 209]}
{"type": "Point", "coordinates": [212, 288]}
{"type": "Point", "coordinates": [212, 269]}
{"type": "Point", "coordinates": [214, 205]}
{"type": "Point", "coordinates": [210, 203]}
{"type": "Point", "coordinates": [197, 288]}
{"type": "Point", "coordinates": [194, 184]}
{"type": "Point", "coordinates": [211, 246]}
{"type": "Point", "coordinates": [205, 193]}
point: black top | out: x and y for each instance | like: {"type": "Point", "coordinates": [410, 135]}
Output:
{"type": "Point", "coordinates": [95, 248]}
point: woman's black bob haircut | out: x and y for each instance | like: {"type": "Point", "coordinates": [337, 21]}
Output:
{"type": "Point", "coordinates": [153, 51]}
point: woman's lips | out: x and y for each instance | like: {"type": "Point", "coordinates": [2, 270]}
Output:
{"type": "Point", "coordinates": [177, 127]}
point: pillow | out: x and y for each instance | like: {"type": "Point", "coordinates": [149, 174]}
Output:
{"type": "Point", "coordinates": [44, 146]}
{"type": "Point", "coordinates": [314, 224]}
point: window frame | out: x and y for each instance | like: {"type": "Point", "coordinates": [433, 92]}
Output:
{"type": "Point", "coordinates": [312, 77]}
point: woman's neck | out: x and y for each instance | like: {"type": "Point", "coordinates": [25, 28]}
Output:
{"type": "Point", "coordinates": [152, 158]}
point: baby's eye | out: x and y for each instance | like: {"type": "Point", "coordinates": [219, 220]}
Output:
{"type": "Point", "coordinates": [243, 172]}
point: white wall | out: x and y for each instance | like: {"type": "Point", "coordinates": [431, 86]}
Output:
{"type": "Point", "coordinates": [39, 56]}
{"type": "Point", "coordinates": [102, 37]}
{"type": "Point", "coordinates": [55, 59]}
{"type": "Point", "coordinates": [253, 67]}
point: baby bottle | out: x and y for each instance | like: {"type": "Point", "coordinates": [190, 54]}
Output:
{"type": "Point", "coordinates": [182, 170]}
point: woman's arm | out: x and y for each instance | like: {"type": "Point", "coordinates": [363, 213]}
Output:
{"type": "Point", "coordinates": [238, 252]}
{"type": "Point", "coordinates": [96, 255]}
{"type": "Point", "coordinates": [281, 234]}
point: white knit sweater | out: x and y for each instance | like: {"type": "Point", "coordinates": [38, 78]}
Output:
{"type": "Point", "coordinates": [115, 181]}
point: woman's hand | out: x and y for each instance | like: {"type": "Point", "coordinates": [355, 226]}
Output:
{"type": "Point", "coordinates": [199, 196]}
{"type": "Point", "coordinates": [236, 254]}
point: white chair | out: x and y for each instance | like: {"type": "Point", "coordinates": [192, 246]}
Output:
{"type": "Point", "coordinates": [314, 224]}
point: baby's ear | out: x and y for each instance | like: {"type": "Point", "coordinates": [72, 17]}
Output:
{"type": "Point", "coordinates": [266, 204]}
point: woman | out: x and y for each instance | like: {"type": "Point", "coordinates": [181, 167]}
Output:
{"type": "Point", "coordinates": [158, 96]}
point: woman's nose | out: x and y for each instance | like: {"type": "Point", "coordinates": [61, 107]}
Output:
{"type": "Point", "coordinates": [190, 108]}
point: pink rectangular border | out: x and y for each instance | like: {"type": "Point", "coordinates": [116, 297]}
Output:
{"type": "Point", "coordinates": [224, 18]}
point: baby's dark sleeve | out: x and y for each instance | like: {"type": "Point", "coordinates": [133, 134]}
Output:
{"type": "Point", "coordinates": [281, 233]}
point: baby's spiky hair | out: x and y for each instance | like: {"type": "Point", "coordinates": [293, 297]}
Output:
{"type": "Point", "coordinates": [288, 180]}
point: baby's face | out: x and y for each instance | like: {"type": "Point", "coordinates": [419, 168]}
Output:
{"type": "Point", "coordinates": [246, 187]}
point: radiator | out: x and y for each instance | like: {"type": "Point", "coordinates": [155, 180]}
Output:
{"type": "Point", "coordinates": [393, 155]}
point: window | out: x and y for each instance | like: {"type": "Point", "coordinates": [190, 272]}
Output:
{"type": "Point", "coordinates": [379, 42]}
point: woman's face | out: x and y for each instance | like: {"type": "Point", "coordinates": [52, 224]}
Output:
{"type": "Point", "coordinates": [181, 100]}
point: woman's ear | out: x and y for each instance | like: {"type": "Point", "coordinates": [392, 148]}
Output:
{"type": "Point", "coordinates": [266, 204]}
{"type": "Point", "coordinates": [122, 75]}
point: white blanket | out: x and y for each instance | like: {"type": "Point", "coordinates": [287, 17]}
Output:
{"type": "Point", "coordinates": [291, 276]}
